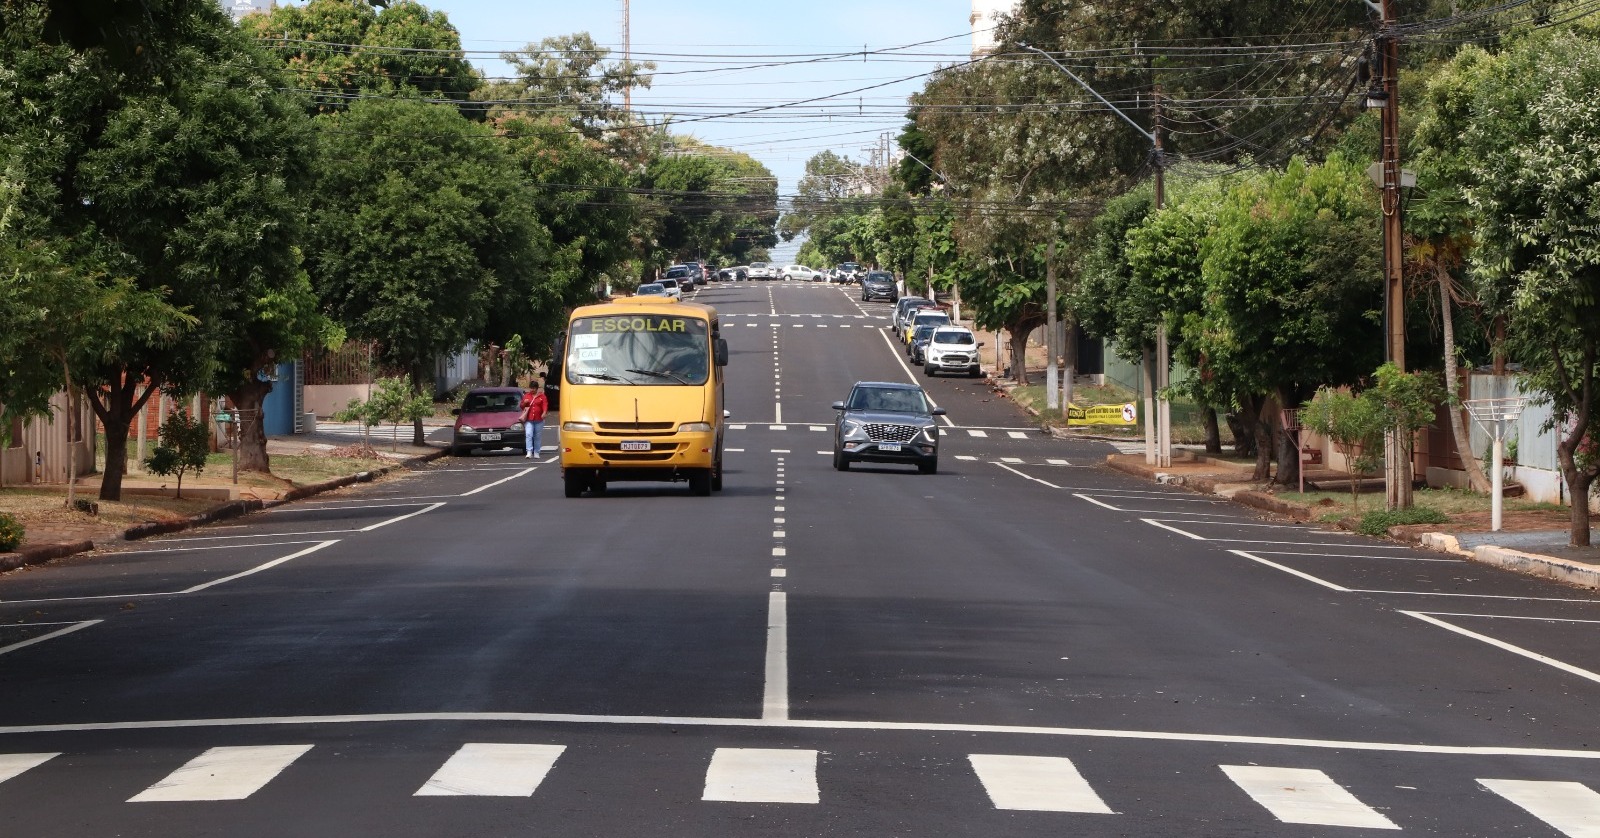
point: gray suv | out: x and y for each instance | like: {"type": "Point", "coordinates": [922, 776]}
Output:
{"type": "Point", "coordinates": [879, 284]}
{"type": "Point", "coordinates": [886, 422]}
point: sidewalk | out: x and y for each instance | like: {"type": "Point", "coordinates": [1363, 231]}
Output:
{"type": "Point", "coordinates": [213, 496]}
{"type": "Point", "coordinates": [1526, 546]}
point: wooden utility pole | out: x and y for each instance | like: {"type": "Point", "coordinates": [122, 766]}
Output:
{"type": "Point", "coordinates": [1397, 465]}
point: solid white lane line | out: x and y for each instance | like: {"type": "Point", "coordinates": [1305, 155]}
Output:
{"type": "Point", "coordinates": [1513, 649]}
{"type": "Point", "coordinates": [1157, 511]}
{"type": "Point", "coordinates": [1508, 617]}
{"type": "Point", "coordinates": [909, 377]}
{"type": "Point", "coordinates": [1572, 809]}
{"type": "Point", "coordinates": [13, 764]}
{"type": "Point", "coordinates": [1292, 572]}
{"type": "Point", "coordinates": [762, 775]}
{"type": "Point", "coordinates": [1036, 784]}
{"type": "Point", "coordinates": [190, 590]}
{"type": "Point", "coordinates": [296, 508]}
{"type": "Point", "coordinates": [232, 773]}
{"type": "Point", "coordinates": [522, 473]}
{"type": "Point", "coordinates": [775, 695]}
{"type": "Point", "coordinates": [113, 553]}
{"type": "Point", "coordinates": [817, 724]}
{"type": "Point", "coordinates": [1360, 556]}
{"type": "Point", "coordinates": [1186, 534]}
{"type": "Point", "coordinates": [492, 769]}
{"type": "Point", "coordinates": [1303, 795]}
{"type": "Point", "coordinates": [42, 638]}
{"type": "Point", "coordinates": [1098, 503]}
{"type": "Point", "coordinates": [397, 520]}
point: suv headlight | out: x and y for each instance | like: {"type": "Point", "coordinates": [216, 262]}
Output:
{"type": "Point", "coordinates": [695, 428]}
{"type": "Point", "coordinates": [931, 432]}
{"type": "Point", "coordinates": [577, 427]}
{"type": "Point", "coordinates": [851, 427]}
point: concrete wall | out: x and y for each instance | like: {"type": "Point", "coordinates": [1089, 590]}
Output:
{"type": "Point", "coordinates": [45, 438]}
{"type": "Point", "coordinates": [328, 399]}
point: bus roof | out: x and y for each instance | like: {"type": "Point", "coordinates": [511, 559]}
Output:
{"type": "Point", "coordinates": [644, 305]}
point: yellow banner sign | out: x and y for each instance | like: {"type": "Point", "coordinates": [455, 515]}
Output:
{"type": "Point", "coordinates": [1103, 414]}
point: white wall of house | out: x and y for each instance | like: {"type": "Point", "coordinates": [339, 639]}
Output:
{"type": "Point", "coordinates": [39, 454]}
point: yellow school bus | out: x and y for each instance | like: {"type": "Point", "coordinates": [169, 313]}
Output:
{"type": "Point", "coordinates": [641, 394]}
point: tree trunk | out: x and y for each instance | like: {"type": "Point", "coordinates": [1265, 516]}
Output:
{"type": "Point", "coordinates": [1458, 426]}
{"type": "Point", "coordinates": [1244, 439]}
{"type": "Point", "coordinates": [72, 453]}
{"type": "Point", "coordinates": [1070, 352]}
{"type": "Point", "coordinates": [1578, 482]}
{"type": "Point", "coordinates": [1287, 444]}
{"type": "Point", "coordinates": [1019, 356]}
{"type": "Point", "coordinates": [1213, 432]}
{"type": "Point", "coordinates": [121, 405]}
{"type": "Point", "coordinates": [418, 376]}
{"type": "Point", "coordinates": [1254, 405]}
{"type": "Point", "coordinates": [252, 451]}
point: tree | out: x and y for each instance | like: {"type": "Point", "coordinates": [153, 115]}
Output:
{"type": "Point", "coordinates": [338, 51]}
{"type": "Point", "coordinates": [420, 221]}
{"type": "Point", "coordinates": [570, 76]}
{"type": "Point", "coordinates": [169, 171]}
{"type": "Point", "coordinates": [185, 443]}
{"type": "Point", "coordinates": [392, 401]}
{"type": "Point", "coordinates": [1356, 427]}
{"type": "Point", "coordinates": [1528, 129]}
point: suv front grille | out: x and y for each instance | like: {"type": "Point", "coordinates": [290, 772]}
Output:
{"type": "Point", "coordinates": [891, 433]}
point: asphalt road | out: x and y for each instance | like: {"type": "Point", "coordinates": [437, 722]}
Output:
{"type": "Point", "coordinates": [1022, 644]}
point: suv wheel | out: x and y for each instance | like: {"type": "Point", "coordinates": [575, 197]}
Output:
{"type": "Point", "coordinates": [839, 462]}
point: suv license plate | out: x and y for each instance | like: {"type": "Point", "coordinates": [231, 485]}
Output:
{"type": "Point", "coordinates": [888, 446]}
{"type": "Point", "coordinates": [489, 437]}
{"type": "Point", "coordinates": [636, 445]}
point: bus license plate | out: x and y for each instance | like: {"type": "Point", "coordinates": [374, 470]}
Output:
{"type": "Point", "coordinates": [489, 437]}
{"type": "Point", "coordinates": [636, 445]}
{"type": "Point", "coordinates": [888, 446]}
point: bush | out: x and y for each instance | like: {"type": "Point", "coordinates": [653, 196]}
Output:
{"type": "Point", "coordinates": [1378, 521]}
{"type": "Point", "coordinates": [185, 444]}
{"type": "Point", "coordinates": [10, 533]}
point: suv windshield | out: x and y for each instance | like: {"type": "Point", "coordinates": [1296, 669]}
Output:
{"type": "Point", "coordinates": [931, 318]}
{"type": "Point", "coordinates": [896, 399]}
{"type": "Point", "coordinates": [879, 276]}
{"type": "Point", "coordinates": [675, 273]}
{"type": "Point", "coordinates": [954, 337]}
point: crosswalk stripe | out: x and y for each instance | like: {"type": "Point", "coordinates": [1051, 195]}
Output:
{"type": "Point", "coordinates": [819, 427]}
{"type": "Point", "coordinates": [1016, 434]}
{"type": "Point", "coordinates": [978, 433]}
{"type": "Point", "coordinates": [1036, 784]}
{"type": "Point", "coordinates": [1304, 795]}
{"type": "Point", "coordinates": [492, 769]}
{"type": "Point", "coordinates": [1573, 809]}
{"type": "Point", "coordinates": [762, 775]}
{"type": "Point", "coordinates": [967, 458]}
{"type": "Point", "coordinates": [1058, 462]}
{"type": "Point", "coordinates": [13, 764]}
{"type": "Point", "coordinates": [1011, 460]}
{"type": "Point", "coordinates": [232, 773]}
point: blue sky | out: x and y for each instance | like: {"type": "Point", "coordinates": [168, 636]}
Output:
{"type": "Point", "coordinates": [705, 37]}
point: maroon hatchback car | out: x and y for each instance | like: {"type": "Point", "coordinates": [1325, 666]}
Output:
{"type": "Point", "coordinates": [488, 419]}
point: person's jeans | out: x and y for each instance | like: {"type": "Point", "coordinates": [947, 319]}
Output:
{"type": "Point", "coordinates": [531, 431]}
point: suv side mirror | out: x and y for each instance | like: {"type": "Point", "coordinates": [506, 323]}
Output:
{"type": "Point", "coordinates": [838, 405]}
{"type": "Point", "coordinates": [938, 411]}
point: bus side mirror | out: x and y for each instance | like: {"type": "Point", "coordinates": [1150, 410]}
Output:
{"type": "Point", "coordinates": [722, 352]}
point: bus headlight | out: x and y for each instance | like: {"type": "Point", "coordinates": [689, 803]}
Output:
{"type": "Point", "coordinates": [577, 427]}
{"type": "Point", "coordinates": [695, 428]}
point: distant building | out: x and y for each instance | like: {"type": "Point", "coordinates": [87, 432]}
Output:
{"type": "Point", "coordinates": [237, 9]}
{"type": "Point", "coordinates": [985, 14]}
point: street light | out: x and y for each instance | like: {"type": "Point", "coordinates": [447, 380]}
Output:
{"type": "Point", "coordinates": [1157, 434]}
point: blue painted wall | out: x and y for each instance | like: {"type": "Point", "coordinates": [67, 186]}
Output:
{"type": "Point", "coordinates": [277, 412]}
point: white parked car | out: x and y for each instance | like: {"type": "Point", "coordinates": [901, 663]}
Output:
{"type": "Point", "coordinates": [672, 288]}
{"type": "Point", "coordinates": [800, 273]}
{"type": "Point", "coordinates": [952, 350]}
{"type": "Point", "coordinates": [761, 270]}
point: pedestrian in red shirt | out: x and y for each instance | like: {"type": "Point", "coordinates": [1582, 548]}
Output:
{"type": "Point", "coordinates": [534, 405]}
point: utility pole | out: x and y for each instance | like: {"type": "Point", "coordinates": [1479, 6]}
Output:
{"type": "Point", "coordinates": [1397, 466]}
{"type": "Point", "coordinates": [627, 57]}
{"type": "Point", "coordinates": [1163, 355]}
{"type": "Point", "coordinates": [1052, 388]}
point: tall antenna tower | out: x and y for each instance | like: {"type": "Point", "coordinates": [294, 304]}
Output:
{"type": "Point", "coordinates": [627, 57]}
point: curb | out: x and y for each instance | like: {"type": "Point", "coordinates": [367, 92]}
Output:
{"type": "Point", "coordinates": [1561, 570]}
{"type": "Point", "coordinates": [40, 553]}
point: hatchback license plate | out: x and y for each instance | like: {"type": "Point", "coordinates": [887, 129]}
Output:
{"type": "Point", "coordinates": [888, 446]}
{"type": "Point", "coordinates": [636, 445]}
{"type": "Point", "coordinates": [489, 437]}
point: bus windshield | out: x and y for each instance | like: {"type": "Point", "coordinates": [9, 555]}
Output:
{"type": "Point", "coordinates": [641, 349]}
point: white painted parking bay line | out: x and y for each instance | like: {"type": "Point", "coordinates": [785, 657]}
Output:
{"type": "Point", "coordinates": [1513, 649]}
{"type": "Point", "coordinates": [762, 775]}
{"type": "Point", "coordinates": [1303, 795]}
{"type": "Point", "coordinates": [42, 638]}
{"type": "Point", "coordinates": [492, 769]}
{"type": "Point", "coordinates": [13, 764]}
{"type": "Point", "coordinates": [1036, 784]}
{"type": "Point", "coordinates": [223, 774]}
{"type": "Point", "coordinates": [1573, 809]}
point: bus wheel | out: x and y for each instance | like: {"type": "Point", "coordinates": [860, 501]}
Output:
{"type": "Point", "coordinates": [700, 483]}
{"type": "Point", "coordinates": [574, 484]}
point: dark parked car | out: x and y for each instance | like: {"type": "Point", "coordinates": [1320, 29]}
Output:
{"type": "Point", "coordinates": [488, 419]}
{"type": "Point", "coordinates": [886, 422]}
{"type": "Point", "coordinates": [879, 284]}
{"type": "Point", "coordinates": [917, 351]}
